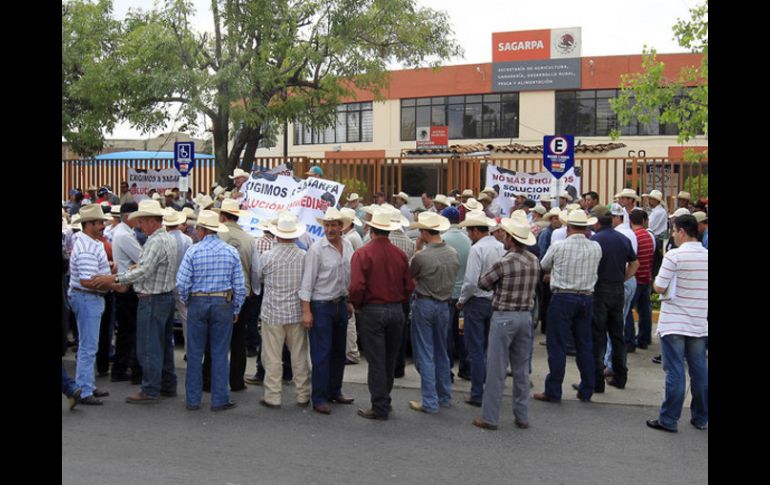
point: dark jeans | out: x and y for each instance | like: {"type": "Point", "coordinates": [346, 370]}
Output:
{"type": "Point", "coordinates": [237, 349]}
{"type": "Point", "coordinates": [456, 343]}
{"type": "Point", "coordinates": [381, 330]}
{"type": "Point", "coordinates": [545, 300]}
{"type": "Point", "coordinates": [253, 339]}
{"type": "Point", "coordinates": [569, 313]}
{"type": "Point", "coordinates": [155, 343]}
{"type": "Point", "coordinates": [405, 342]}
{"type": "Point", "coordinates": [608, 319]}
{"type": "Point", "coordinates": [328, 337]}
{"type": "Point", "coordinates": [657, 257]}
{"type": "Point", "coordinates": [641, 300]}
{"type": "Point", "coordinates": [478, 314]}
{"type": "Point", "coordinates": [125, 340]}
{"type": "Point", "coordinates": [106, 328]}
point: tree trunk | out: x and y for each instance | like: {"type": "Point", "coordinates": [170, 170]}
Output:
{"type": "Point", "coordinates": [251, 148]}
{"type": "Point", "coordinates": [222, 166]}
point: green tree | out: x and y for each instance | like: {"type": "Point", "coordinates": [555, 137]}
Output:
{"type": "Point", "coordinates": [683, 102]}
{"type": "Point", "coordinates": [268, 62]}
{"type": "Point", "coordinates": [90, 95]}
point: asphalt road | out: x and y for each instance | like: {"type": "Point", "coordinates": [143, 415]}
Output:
{"type": "Point", "coordinates": [567, 443]}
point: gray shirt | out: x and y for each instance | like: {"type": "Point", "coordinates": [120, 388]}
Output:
{"type": "Point", "coordinates": [459, 240]}
{"type": "Point", "coordinates": [125, 247]}
{"type": "Point", "coordinates": [434, 270]}
{"type": "Point", "coordinates": [326, 275]}
{"type": "Point", "coordinates": [486, 252]}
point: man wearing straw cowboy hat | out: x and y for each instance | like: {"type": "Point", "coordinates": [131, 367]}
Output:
{"type": "Point", "coordinates": [513, 279]}
{"type": "Point", "coordinates": [239, 177]}
{"type": "Point", "coordinates": [210, 282]}
{"type": "Point", "coordinates": [434, 270]}
{"type": "Point", "coordinates": [153, 279]}
{"type": "Point", "coordinates": [658, 225]}
{"type": "Point", "coordinates": [627, 198]}
{"type": "Point", "coordinates": [684, 200]}
{"type": "Point", "coordinates": [354, 203]}
{"type": "Point", "coordinates": [573, 264]}
{"type": "Point", "coordinates": [281, 270]}
{"type": "Point", "coordinates": [475, 302]}
{"type": "Point", "coordinates": [401, 200]}
{"type": "Point", "coordinates": [86, 296]}
{"type": "Point", "coordinates": [380, 282]}
{"type": "Point", "coordinates": [324, 291]}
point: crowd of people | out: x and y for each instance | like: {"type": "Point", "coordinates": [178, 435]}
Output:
{"type": "Point", "coordinates": [460, 280]}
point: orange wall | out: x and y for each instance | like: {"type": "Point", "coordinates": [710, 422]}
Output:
{"type": "Point", "coordinates": [677, 153]}
{"type": "Point", "coordinates": [355, 154]}
{"type": "Point", "coordinates": [457, 80]}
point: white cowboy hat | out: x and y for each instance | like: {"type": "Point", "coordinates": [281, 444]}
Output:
{"type": "Point", "coordinates": [564, 194]}
{"type": "Point", "coordinates": [442, 199]}
{"type": "Point", "coordinates": [490, 191]}
{"type": "Point", "coordinates": [210, 220]}
{"type": "Point", "coordinates": [147, 208]}
{"type": "Point", "coordinates": [239, 173]}
{"type": "Point", "coordinates": [472, 204]}
{"type": "Point", "coordinates": [452, 201]}
{"type": "Point", "coordinates": [230, 206]}
{"type": "Point", "coordinates": [370, 209]}
{"type": "Point", "coordinates": [397, 216]}
{"type": "Point", "coordinates": [264, 224]}
{"type": "Point", "coordinates": [174, 218]}
{"type": "Point", "coordinates": [431, 221]}
{"type": "Point", "coordinates": [539, 209]}
{"type": "Point", "coordinates": [679, 212]}
{"type": "Point", "coordinates": [572, 207]}
{"type": "Point", "coordinates": [332, 214]}
{"type": "Point", "coordinates": [484, 197]}
{"type": "Point", "coordinates": [115, 211]}
{"type": "Point", "coordinates": [353, 197]}
{"type": "Point", "coordinates": [75, 223]}
{"type": "Point", "coordinates": [476, 219]}
{"type": "Point", "coordinates": [349, 216]}
{"type": "Point", "coordinates": [467, 193]}
{"type": "Point", "coordinates": [700, 216]}
{"type": "Point", "coordinates": [168, 193]}
{"type": "Point", "coordinates": [683, 195]}
{"type": "Point", "coordinates": [563, 214]}
{"type": "Point", "coordinates": [381, 220]}
{"type": "Point", "coordinates": [92, 212]}
{"type": "Point", "coordinates": [189, 213]}
{"type": "Point", "coordinates": [402, 195]}
{"type": "Point", "coordinates": [287, 226]}
{"type": "Point", "coordinates": [617, 209]}
{"type": "Point", "coordinates": [520, 216]}
{"type": "Point", "coordinates": [545, 198]}
{"type": "Point", "coordinates": [554, 212]}
{"type": "Point", "coordinates": [655, 194]}
{"type": "Point", "coordinates": [629, 193]}
{"type": "Point", "coordinates": [518, 231]}
{"type": "Point", "coordinates": [218, 190]}
{"type": "Point", "coordinates": [579, 218]}
{"type": "Point", "coordinates": [203, 201]}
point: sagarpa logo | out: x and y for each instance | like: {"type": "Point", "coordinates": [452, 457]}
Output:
{"type": "Point", "coordinates": [566, 44]}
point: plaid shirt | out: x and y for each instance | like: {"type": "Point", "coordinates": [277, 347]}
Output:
{"type": "Point", "coordinates": [280, 269]}
{"type": "Point", "coordinates": [264, 243]}
{"type": "Point", "coordinates": [514, 280]}
{"type": "Point", "coordinates": [402, 242]}
{"type": "Point", "coordinates": [155, 272]}
{"type": "Point", "coordinates": [574, 263]}
{"type": "Point", "coordinates": [211, 266]}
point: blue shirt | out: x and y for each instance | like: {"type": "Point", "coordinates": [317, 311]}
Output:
{"type": "Point", "coordinates": [211, 266]}
{"type": "Point", "coordinates": [706, 239]}
{"type": "Point", "coordinates": [616, 252]}
{"type": "Point", "coordinates": [544, 240]}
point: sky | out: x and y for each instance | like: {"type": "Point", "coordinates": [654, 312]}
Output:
{"type": "Point", "coordinates": [609, 27]}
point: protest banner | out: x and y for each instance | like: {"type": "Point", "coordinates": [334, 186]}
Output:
{"type": "Point", "coordinates": [266, 194]}
{"type": "Point", "coordinates": [140, 181]}
{"type": "Point", "coordinates": [534, 185]}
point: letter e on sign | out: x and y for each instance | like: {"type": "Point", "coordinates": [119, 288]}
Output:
{"type": "Point", "coordinates": [559, 146]}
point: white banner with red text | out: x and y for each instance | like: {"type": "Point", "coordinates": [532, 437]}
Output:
{"type": "Point", "coordinates": [534, 185]}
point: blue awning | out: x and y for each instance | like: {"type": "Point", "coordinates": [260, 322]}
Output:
{"type": "Point", "coordinates": [147, 155]}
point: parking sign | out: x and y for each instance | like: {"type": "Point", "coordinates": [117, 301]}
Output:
{"type": "Point", "coordinates": [558, 154]}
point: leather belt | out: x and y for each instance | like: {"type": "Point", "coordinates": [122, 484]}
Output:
{"type": "Point", "coordinates": [90, 292]}
{"type": "Point", "coordinates": [145, 295]}
{"type": "Point", "coordinates": [575, 292]}
{"type": "Point", "coordinates": [216, 293]}
{"type": "Point", "coordinates": [336, 300]}
{"type": "Point", "coordinates": [426, 297]}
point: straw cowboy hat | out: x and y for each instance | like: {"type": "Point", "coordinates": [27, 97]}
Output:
{"type": "Point", "coordinates": [219, 191]}
{"type": "Point", "coordinates": [431, 221]}
{"type": "Point", "coordinates": [115, 211]}
{"type": "Point", "coordinates": [700, 216]}
{"type": "Point", "coordinates": [563, 214]}
{"type": "Point", "coordinates": [189, 213]}
{"type": "Point", "coordinates": [264, 224]}
{"type": "Point", "coordinates": [600, 211]}
{"type": "Point", "coordinates": [579, 218]}
{"type": "Point", "coordinates": [210, 220]}
{"type": "Point", "coordinates": [519, 215]}
{"type": "Point", "coordinates": [467, 193]}
{"type": "Point", "coordinates": [92, 212]}
{"type": "Point", "coordinates": [353, 197]}
{"type": "Point", "coordinates": [147, 208]}
{"type": "Point", "coordinates": [565, 195]}
{"type": "Point", "coordinates": [287, 226]}
{"type": "Point", "coordinates": [381, 220]}
{"type": "Point", "coordinates": [539, 209]}
{"type": "Point", "coordinates": [518, 231]}
{"type": "Point", "coordinates": [490, 191]}
{"type": "Point", "coordinates": [397, 216]}
{"type": "Point", "coordinates": [75, 225]}
{"type": "Point", "coordinates": [472, 204]}
{"type": "Point", "coordinates": [554, 212]}
{"type": "Point", "coordinates": [572, 207]}
{"type": "Point", "coordinates": [484, 197]}
{"type": "Point", "coordinates": [402, 195]}
{"type": "Point", "coordinates": [203, 201]}
{"type": "Point", "coordinates": [349, 216]}
{"type": "Point", "coordinates": [546, 198]}
{"type": "Point", "coordinates": [239, 173]}
{"type": "Point", "coordinates": [332, 214]}
{"type": "Point", "coordinates": [617, 210]}
{"type": "Point", "coordinates": [452, 201]}
{"type": "Point", "coordinates": [442, 199]}
{"type": "Point", "coordinates": [174, 218]}
{"type": "Point", "coordinates": [683, 195]}
{"type": "Point", "coordinates": [477, 219]}
{"type": "Point", "coordinates": [230, 206]}
{"type": "Point", "coordinates": [628, 193]}
{"type": "Point", "coordinates": [655, 194]}
{"type": "Point", "coordinates": [679, 212]}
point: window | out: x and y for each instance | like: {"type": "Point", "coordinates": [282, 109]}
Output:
{"type": "Point", "coordinates": [354, 124]}
{"type": "Point", "coordinates": [468, 117]}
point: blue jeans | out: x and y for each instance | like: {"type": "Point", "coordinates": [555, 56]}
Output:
{"type": "Point", "coordinates": [675, 349]}
{"type": "Point", "coordinates": [88, 308]}
{"type": "Point", "coordinates": [155, 343]}
{"type": "Point", "coordinates": [68, 385]}
{"type": "Point", "coordinates": [644, 306]}
{"type": "Point", "coordinates": [430, 321]}
{"type": "Point", "coordinates": [209, 318]}
{"type": "Point", "coordinates": [569, 313]}
{"type": "Point", "coordinates": [328, 336]}
{"type": "Point", "coordinates": [478, 314]}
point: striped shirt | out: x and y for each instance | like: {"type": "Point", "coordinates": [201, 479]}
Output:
{"type": "Point", "coordinates": [574, 263]}
{"type": "Point", "coordinates": [687, 312]}
{"type": "Point", "coordinates": [513, 279]}
{"type": "Point", "coordinates": [280, 269]}
{"type": "Point", "coordinates": [211, 266]}
{"type": "Point", "coordinates": [88, 259]}
{"type": "Point", "coordinates": [484, 253]}
{"type": "Point", "coordinates": [155, 272]}
{"type": "Point", "coordinates": [646, 250]}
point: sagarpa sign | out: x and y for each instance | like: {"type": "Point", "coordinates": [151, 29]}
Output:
{"type": "Point", "coordinates": [433, 137]}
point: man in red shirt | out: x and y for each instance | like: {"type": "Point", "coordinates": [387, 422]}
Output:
{"type": "Point", "coordinates": [380, 281]}
{"type": "Point", "coordinates": [641, 299]}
